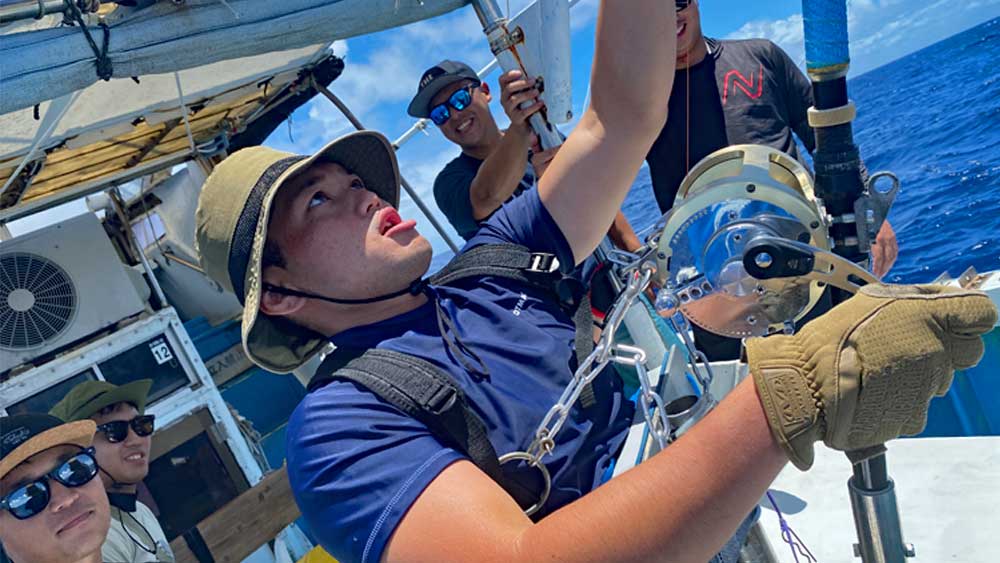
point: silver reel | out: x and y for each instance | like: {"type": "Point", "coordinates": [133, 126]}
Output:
{"type": "Point", "coordinates": [745, 251]}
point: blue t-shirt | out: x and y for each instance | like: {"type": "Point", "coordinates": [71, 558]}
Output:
{"type": "Point", "coordinates": [357, 464]}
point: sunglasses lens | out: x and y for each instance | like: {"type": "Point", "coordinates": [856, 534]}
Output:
{"type": "Point", "coordinates": [77, 471]}
{"type": "Point", "coordinates": [143, 425]}
{"type": "Point", "coordinates": [461, 99]}
{"type": "Point", "coordinates": [681, 4]}
{"type": "Point", "coordinates": [440, 114]}
{"type": "Point", "coordinates": [28, 500]}
{"type": "Point", "coordinates": [115, 431]}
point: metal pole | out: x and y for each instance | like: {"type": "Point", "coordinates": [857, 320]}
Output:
{"type": "Point", "coordinates": [406, 185]}
{"type": "Point", "coordinates": [31, 10]}
{"type": "Point", "coordinates": [116, 201]}
{"type": "Point", "coordinates": [67, 101]}
{"type": "Point", "coordinates": [503, 45]}
{"type": "Point", "coordinates": [840, 185]}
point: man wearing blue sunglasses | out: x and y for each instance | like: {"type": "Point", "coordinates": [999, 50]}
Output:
{"type": "Point", "coordinates": [493, 166]}
{"type": "Point", "coordinates": [51, 507]}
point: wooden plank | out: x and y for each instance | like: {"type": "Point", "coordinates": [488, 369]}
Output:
{"type": "Point", "coordinates": [228, 364]}
{"type": "Point", "coordinates": [245, 523]}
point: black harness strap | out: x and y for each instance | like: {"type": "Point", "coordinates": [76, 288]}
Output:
{"type": "Point", "coordinates": [536, 269]}
{"type": "Point", "coordinates": [422, 391]}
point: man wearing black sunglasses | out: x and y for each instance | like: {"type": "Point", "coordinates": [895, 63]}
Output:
{"type": "Point", "coordinates": [51, 507]}
{"type": "Point", "coordinates": [122, 444]}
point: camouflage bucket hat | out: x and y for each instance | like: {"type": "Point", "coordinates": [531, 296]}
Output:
{"type": "Point", "coordinates": [231, 228]}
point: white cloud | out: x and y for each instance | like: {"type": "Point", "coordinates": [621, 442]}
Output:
{"type": "Point", "coordinates": [787, 33]}
{"type": "Point", "coordinates": [880, 30]}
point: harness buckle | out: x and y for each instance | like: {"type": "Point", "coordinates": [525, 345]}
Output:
{"type": "Point", "coordinates": [442, 400]}
{"type": "Point", "coordinates": [543, 263]}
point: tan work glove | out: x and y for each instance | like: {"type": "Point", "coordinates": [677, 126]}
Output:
{"type": "Point", "coordinates": [865, 372]}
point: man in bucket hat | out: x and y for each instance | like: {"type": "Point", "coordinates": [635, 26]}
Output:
{"type": "Point", "coordinates": [317, 252]}
{"type": "Point", "coordinates": [51, 507]}
{"type": "Point", "coordinates": [122, 445]}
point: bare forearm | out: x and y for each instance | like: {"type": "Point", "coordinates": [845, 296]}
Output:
{"type": "Point", "coordinates": [499, 175]}
{"type": "Point", "coordinates": [622, 234]}
{"type": "Point", "coordinates": [632, 76]}
{"type": "Point", "coordinates": [681, 505]}
{"type": "Point", "coordinates": [634, 61]}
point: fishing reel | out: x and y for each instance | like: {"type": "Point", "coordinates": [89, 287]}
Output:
{"type": "Point", "coordinates": [746, 250]}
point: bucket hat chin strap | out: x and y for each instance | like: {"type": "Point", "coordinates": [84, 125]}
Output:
{"type": "Point", "coordinates": [415, 288]}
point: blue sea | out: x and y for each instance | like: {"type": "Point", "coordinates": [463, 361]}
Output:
{"type": "Point", "coordinates": [933, 119]}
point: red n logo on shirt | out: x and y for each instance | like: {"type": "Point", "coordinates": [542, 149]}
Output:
{"type": "Point", "coordinates": [741, 82]}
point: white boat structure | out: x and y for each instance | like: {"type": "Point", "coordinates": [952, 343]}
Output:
{"type": "Point", "coordinates": [117, 293]}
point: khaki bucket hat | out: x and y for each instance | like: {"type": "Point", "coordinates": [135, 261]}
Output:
{"type": "Point", "coordinates": [231, 227]}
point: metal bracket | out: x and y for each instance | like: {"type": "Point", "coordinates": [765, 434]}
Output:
{"type": "Point", "coordinates": [508, 40]}
{"type": "Point", "coordinates": [872, 209]}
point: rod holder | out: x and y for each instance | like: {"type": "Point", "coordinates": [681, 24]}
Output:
{"type": "Point", "coordinates": [876, 519]}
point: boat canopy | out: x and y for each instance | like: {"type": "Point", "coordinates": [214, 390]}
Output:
{"type": "Point", "coordinates": [202, 68]}
{"type": "Point", "coordinates": [42, 64]}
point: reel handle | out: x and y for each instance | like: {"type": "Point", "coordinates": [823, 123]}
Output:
{"type": "Point", "coordinates": [767, 258]}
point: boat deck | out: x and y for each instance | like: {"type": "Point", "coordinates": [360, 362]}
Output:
{"type": "Point", "coordinates": [948, 491]}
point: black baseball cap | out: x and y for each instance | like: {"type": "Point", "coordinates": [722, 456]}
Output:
{"type": "Point", "coordinates": [435, 79]}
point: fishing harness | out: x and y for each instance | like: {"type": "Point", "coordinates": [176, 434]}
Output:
{"type": "Point", "coordinates": [424, 392]}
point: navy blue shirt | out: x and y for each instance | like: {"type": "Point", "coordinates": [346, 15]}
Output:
{"type": "Point", "coordinates": [356, 464]}
{"type": "Point", "coordinates": [453, 192]}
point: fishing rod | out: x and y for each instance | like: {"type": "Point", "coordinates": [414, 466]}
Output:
{"type": "Point", "coordinates": [857, 208]}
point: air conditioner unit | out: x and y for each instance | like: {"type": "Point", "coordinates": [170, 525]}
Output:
{"type": "Point", "coordinates": [59, 285]}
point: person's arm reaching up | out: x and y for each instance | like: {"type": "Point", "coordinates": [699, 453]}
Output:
{"type": "Point", "coordinates": [632, 74]}
{"type": "Point", "coordinates": [502, 170]}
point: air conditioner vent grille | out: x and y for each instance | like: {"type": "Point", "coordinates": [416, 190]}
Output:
{"type": "Point", "coordinates": [37, 300]}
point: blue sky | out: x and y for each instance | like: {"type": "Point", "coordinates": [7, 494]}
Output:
{"type": "Point", "coordinates": [382, 69]}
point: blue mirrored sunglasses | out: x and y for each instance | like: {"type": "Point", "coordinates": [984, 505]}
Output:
{"type": "Point", "coordinates": [440, 114]}
{"type": "Point", "coordinates": [32, 498]}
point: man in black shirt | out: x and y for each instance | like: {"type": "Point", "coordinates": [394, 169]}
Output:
{"type": "Point", "coordinates": [733, 93]}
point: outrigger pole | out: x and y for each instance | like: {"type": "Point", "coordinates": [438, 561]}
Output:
{"type": "Point", "coordinates": [503, 44]}
{"type": "Point", "coordinates": [858, 210]}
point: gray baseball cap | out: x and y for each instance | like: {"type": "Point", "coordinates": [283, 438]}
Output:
{"type": "Point", "coordinates": [435, 79]}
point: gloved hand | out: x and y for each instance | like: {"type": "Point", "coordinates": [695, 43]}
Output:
{"type": "Point", "coordinates": [865, 372]}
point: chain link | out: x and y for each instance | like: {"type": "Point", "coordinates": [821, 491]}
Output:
{"type": "Point", "coordinates": [639, 270]}
{"type": "Point", "coordinates": [605, 352]}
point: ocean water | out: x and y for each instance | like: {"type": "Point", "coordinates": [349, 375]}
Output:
{"type": "Point", "coordinates": [933, 119]}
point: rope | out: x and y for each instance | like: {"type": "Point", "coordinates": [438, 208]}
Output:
{"type": "Point", "coordinates": [184, 112]}
{"type": "Point", "coordinates": [134, 539]}
{"type": "Point", "coordinates": [103, 62]}
{"type": "Point", "coordinates": [789, 536]}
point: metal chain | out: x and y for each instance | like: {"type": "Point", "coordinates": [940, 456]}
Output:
{"type": "Point", "coordinates": [639, 270]}
{"type": "Point", "coordinates": [606, 351]}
